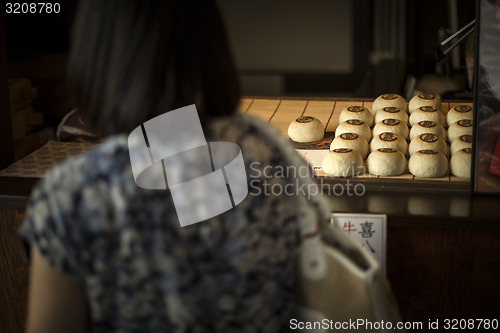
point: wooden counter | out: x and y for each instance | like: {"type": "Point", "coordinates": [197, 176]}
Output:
{"type": "Point", "coordinates": [443, 250]}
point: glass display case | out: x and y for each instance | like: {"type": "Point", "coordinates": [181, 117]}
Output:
{"type": "Point", "coordinates": [486, 159]}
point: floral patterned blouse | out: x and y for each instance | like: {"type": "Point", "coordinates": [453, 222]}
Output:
{"type": "Point", "coordinates": [142, 272]}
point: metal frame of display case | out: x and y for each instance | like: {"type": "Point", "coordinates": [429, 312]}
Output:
{"type": "Point", "coordinates": [485, 173]}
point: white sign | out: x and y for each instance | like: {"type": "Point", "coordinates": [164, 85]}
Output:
{"type": "Point", "coordinates": [369, 229]}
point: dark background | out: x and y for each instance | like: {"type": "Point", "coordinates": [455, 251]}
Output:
{"type": "Point", "coordinates": [31, 37]}
{"type": "Point", "coordinates": [365, 48]}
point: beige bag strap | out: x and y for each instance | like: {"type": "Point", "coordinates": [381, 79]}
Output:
{"type": "Point", "coordinates": [328, 254]}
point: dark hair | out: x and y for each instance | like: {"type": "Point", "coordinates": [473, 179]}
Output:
{"type": "Point", "coordinates": [131, 60]}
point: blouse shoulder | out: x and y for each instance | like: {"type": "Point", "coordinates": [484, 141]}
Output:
{"type": "Point", "coordinates": [96, 164]}
{"type": "Point", "coordinates": [58, 201]}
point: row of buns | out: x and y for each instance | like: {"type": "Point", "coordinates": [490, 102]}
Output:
{"type": "Point", "coordinates": [386, 153]}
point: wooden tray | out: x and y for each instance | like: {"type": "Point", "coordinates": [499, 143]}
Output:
{"type": "Point", "coordinates": [280, 112]}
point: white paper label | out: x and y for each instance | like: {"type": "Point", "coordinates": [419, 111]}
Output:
{"type": "Point", "coordinates": [313, 157]}
{"type": "Point", "coordinates": [369, 229]}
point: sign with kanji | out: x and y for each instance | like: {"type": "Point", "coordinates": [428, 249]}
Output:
{"type": "Point", "coordinates": [369, 229]}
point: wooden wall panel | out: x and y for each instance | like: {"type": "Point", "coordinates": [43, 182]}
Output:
{"type": "Point", "coordinates": [472, 264]}
{"type": "Point", "coordinates": [13, 269]}
{"type": "Point", "coordinates": [414, 261]}
{"type": "Point", "coordinates": [7, 146]}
